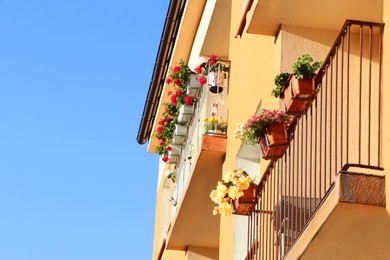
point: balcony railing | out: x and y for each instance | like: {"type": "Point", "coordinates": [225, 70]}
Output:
{"type": "Point", "coordinates": [341, 129]}
{"type": "Point", "coordinates": [208, 103]}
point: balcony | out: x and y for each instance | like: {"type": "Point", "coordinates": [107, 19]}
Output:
{"type": "Point", "coordinates": [332, 167]}
{"type": "Point", "coordinates": [266, 16]}
{"type": "Point", "coordinates": [198, 166]}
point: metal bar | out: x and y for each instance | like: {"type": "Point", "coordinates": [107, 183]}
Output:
{"type": "Point", "coordinates": [336, 106]}
{"type": "Point", "coordinates": [342, 103]}
{"type": "Point", "coordinates": [301, 171]}
{"type": "Point", "coordinates": [369, 94]}
{"type": "Point", "coordinates": [360, 91]}
{"type": "Point", "coordinates": [331, 121]}
{"type": "Point", "coordinates": [380, 111]}
{"type": "Point", "coordinates": [348, 63]}
{"type": "Point", "coordinates": [326, 125]}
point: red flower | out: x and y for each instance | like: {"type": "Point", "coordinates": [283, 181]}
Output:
{"type": "Point", "coordinates": [165, 158]}
{"type": "Point", "coordinates": [169, 93]}
{"type": "Point", "coordinates": [167, 118]}
{"type": "Point", "coordinates": [168, 148]}
{"type": "Point", "coordinates": [173, 100]}
{"type": "Point", "coordinates": [168, 80]}
{"type": "Point", "coordinates": [162, 121]}
{"type": "Point", "coordinates": [188, 100]}
{"type": "Point", "coordinates": [176, 69]}
{"type": "Point", "coordinates": [213, 59]}
{"type": "Point", "coordinates": [177, 82]}
{"type": "Point", "coordinates": [202, 80]}
{"type": "Point", "coordinates": [160, 129]}
{"type": "Point", "coordinates": [161, 142]}
{"type": "Point", "coordinates": [178, 92]}
{"type": "Point", "coordinates": [198, 70]}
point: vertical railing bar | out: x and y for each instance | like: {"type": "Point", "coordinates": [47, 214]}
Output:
{"type": "Point", "coordinates": [315, 150]}
{"type": "Point", "coordinates": [266, 216]}
{"type": "Point", "coordinates": [326, 125]}
{"type": "Point", "coordinates": [269, 210]}
{"type": "Point", "coordinates": [249, 241]}
{"type": "Point", "coordinates": [301, 177]}
{"type": "Point", "coordinates": [369, 93]}
{"type": "Point", "coordinates": [360, 91]}
{"type": "Point", "coordinates": [311, 158]}
{"type": "Point", "coordinates": [380, 109]}
{"type": "Point", "coordinates": [285, 201]}
{"type": "Point", "coordinates": [274, 202]}
{"type": "Point", "coordinates": [336, 106]}
{"type": "Point", "coordinates": [279, 200]}
{"type": "Point", "coordinates": [295, 183]}
{"type": "Point", "coordinates": [306, 170]}
{"type": "Point", "coordinates": [331, 122]}
{"type": "Point", "coordinates": [348, 64]}
{"type": "Point", "coordinates": [342, 100]}
{"type": "Point", "coordinates": [321, 139]}
{"type": "Point", "coordinates": [289, 201]}
{"type": "Point", "coordinates": [261, 248]}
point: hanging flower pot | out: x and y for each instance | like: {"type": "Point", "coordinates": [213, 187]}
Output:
{"type": "Point", "coordinates": [274, 141]}
{"type": "Point", "coordinates": [185, 113]}
{"type": "Point", "coordinates": [175, 149]}
{"type": "Point", "coordinates": [173, 158]}
{"type": "Point", "coordinates": [180, 130]}
{"type": "Point", "coordinates": [194, 85]}
{"type": "Point", "coordinates": [216, 81]}
{"type": "Point", "coordinates": [298, 94]}
{"type": "Point", "coordinates": [246, 204]}
{"type": "Point", "coordinates": [178, 139]}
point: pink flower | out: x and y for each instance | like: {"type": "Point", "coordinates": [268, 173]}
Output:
{"type": "Point", "coordinates": [188, 100]}
{"type": "Point", "coordinates": [198, 70]}
{"type": "Point", "coordinates": [202, 80]}
{"type": "Point", "coordinates": [168, 80]}
{"type": "Point", "coordinates": [165, 158]}
{"type": "Point", "coordinates": [178, 92]}
{"type": "Point", "coordinates": [176, 69]}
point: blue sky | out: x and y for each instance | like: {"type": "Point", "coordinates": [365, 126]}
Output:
{"type": "Point", "coordinates": [74, 183]}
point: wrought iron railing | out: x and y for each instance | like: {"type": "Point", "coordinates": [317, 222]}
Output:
{"type": "Point", "coordinates": [341, 129]}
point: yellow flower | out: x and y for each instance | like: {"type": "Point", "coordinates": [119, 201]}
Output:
{"type": "Point", "coordinates": [225, 209]}
{"type": "Point", "coordinates": [215, 211]}
{"type": "Point", "coordinates": [243, 183]}
{"type": "Point", "coordinates": [221, 190]}
{"type": "Point", "coordinates": [204, 120]}
{"type": "Point", "coordinates": [235, 192]}
{"type": "Point", "coordinates": [228, 177]}
{"type": "Point", "coordinates": [215, 198]}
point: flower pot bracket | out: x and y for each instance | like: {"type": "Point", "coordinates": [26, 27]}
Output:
{"type": "Point", "coordinates": [272, 151]}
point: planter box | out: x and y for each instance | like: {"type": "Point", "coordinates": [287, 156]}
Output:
{"type": "Point", "coordinates": [193, 86]}
{"type": "Point", "coordinates": [246, 204]}
{"type": "Point", "coordinates": [173, 159]}
{"type": "Point", "coordinates": [180, 130]}
{"type": "Point", "coordinates": [274, 142]}
{"type": "Point", "coordinates": [214, 143]}
{"type": "Point", "coordinates": [298, 94]}
{"type": "Point", "coordinates": [178, 139]}
{"type": "Point", "coordinates": [185, 113]}
{"type": "Point", "coordinates": [175, 149]}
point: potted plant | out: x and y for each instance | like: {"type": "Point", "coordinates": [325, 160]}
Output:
{"type": "Point", "coordinates": [269, 129]}
{"type": "Point", "coordinates": [301, 84]}
{"type": "Point", "coordinates": [235, 193]}
{"type": "Point", "coordinates": [281, 81]}
{"type": "Point", "coordinates": [215, 125]}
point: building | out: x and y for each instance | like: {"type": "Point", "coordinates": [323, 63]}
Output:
{"type": "Point", "coordinates": [326, 197]}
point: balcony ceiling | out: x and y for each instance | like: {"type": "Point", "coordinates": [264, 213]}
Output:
{"type": "Point", "coordinates": [218, 32]}
{"type": "Point", "coordinates": [266, 16]}
{"type": "Point", "coordinates": [195, 224]}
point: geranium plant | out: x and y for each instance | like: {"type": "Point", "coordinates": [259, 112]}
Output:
{"type": "Point", "coordinates": [305, 67]}
{"type": "Point", "coordinates": [215, 123]}
{"type": "Point", "coordinates": [230, 188]}
{"type": "Point", "coordinates": [178, 77]}
{"type": "Point", "coordinates": [281, 80]}
{"type": "Point", "coordinates": [254, 127]}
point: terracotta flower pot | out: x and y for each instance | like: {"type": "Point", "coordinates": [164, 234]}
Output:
{"type": "Point", "coordinates": [246, 204]}
{"type": "Point", "coordinates": [275, 141]}
{"type": "Point", "coordinates": [298, 93]}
